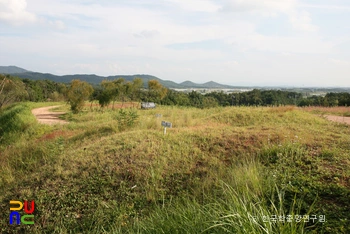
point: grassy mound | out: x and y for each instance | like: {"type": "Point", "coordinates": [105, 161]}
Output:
{"type": "Point", "coordinates": [216, 171]}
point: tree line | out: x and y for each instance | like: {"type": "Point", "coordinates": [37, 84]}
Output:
{"type": "Point", "coordinates": [254, 97]}
{"type": "Point", "coordinates": [13, 89]}
{"type": "Point", "coordinates": [251, 98]}
{"type": "Point", "coordinates": [331, 99]}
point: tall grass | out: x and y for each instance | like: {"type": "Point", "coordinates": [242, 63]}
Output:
{"type": "Point", "coordinates": [14, 120]}
{"type": "Point", "coordinates": [248, 201]}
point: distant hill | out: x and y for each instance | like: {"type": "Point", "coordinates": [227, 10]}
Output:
{"type": "Point", "coordinates": [207, 85]}
{"type": "Point", "coordinates": [188, 83]}
{"type": "Point", "coordinates": [94, 79]}
{"type": "Point", "coordinates": [216, 85]}
{"type": "Point", "coordinates": [11, 70]}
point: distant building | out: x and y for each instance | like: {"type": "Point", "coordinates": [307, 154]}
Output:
{"type": "Point", "coordinates": [148, 105]}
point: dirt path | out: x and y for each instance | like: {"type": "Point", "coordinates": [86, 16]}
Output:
{"type": "Point", "coordinates": [339, 119]}
{"type": "Point", "coordinates": [45, 116]}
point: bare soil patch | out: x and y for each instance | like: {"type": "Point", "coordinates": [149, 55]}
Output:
{"type": "Point", "coordinates": [339, 119]}
{"type": "Point", "coordinates": [56, 134]}
{"type": "Point", "coordinates": [45, 116]}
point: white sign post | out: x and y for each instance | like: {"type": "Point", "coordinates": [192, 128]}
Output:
{"type": "Point", "coordinates": [166, 125]}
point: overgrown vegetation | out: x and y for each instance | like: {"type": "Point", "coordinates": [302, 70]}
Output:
{"type": "Point", "coordinates": [218, 170]}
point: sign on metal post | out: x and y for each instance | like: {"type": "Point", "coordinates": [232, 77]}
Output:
{"type": "Point", "coordinates": [166, 125]}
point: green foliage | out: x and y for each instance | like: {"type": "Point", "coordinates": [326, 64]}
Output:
{"type": "Point", "coordinates": [156, 92]}
{"type": "Point", "coordinates": [330, 100]}
{"type": "Point", "coordinates": [209, 102]}
{"type": "Point", "coordinates": [231, 212]}
{"type": "Point", "coordinates": [14, 120]}
{"type": "Point", "coordinates": [135, 93]}
{"type": "Point", "coordinates": [266, 98]}
{"type": "Point", "coordinates": [104, 98]}
{"type": "Point", "coordinates": [78, 92]}
{"type": "Point", "coordinates": [196, 99]}
{"type": "Point", "coordinates": [124, 89]}
{"type": "Point", "coordinates": [120, 90]}
{"type": "Point", "coordinates": [44, 90]}
{"type": "Point", "coordinates": [251, 98]}
{"type": "Point", "coordinates": [11, 90]}
{"type": "Point", "coordinates": [126, 119]}
{"type": "Point", "coordinates": [174, 98]}
{"type": "Point", "coordinates": [222, 98]}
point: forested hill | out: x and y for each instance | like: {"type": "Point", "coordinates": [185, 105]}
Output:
{"type": "Point", "coordinates": [94, 79]}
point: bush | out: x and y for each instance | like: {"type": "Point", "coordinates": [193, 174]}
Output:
{"type": "Point", "coordinates": [126, 119]}
{"type": "Point", "coordinates": [78, 92]}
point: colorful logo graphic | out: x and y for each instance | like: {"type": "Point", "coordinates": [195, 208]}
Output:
{"type": "Point", "coordinates": [16, 206]}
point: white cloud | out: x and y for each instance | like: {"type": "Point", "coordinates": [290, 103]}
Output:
{"type": "Point", "coordinates": [300, 20]}
{"type": "Point", "coordinates": [57, 24]}
{"type": "Point", "coordinates": [231, 63]}
{"type": "Point", "coordinates": [327, 7]}
{"type": "Point", "coordinates": [339, 62]}
{"type": "Point", "coordinates": [146, 34]}
{"type": "Point", "coordinates": [254, 5]}
{"type": "Point", "coordinates": [196, 5]}
{"type": "Point", "coordinates": [14, 12]}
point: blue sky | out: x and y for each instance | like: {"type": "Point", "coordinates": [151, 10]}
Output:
{"type": "Point", "coordinates": [238, 42]}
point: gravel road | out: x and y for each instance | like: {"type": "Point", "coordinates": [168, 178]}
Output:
{"type": "Point", "coordinates": [45, 116]}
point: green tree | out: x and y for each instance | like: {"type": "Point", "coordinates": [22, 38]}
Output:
{"type": "Point", "coordinates": [11, 90]}
{"type": "Point", "coordinates": [118, 90]}
{"type": "Point", "coordinates": [106, 94]}
{"type": "Point", "coordinates": [78, 92]}
{"type": "Point", "coordinates": [104, 98]}
{"type": "Point", "coordinates": [156, 92]}
{"type": "Point", "coordinates": [136, 87]}
{"type": "Point", "coordinates": [209, 102]}
{"type": "Point", "coordinates": [196, 99]}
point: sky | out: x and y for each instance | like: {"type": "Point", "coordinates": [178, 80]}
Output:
{"type": "Point", "coordinates": [237, 42]}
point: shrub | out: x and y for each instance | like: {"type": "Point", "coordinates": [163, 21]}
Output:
{"type": "Point", "coordinates": [78, 92]}
{"type": "Point", "coordinates": [126, 119]}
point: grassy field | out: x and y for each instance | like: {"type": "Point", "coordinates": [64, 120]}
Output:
{"type": "Point", "coordinates": [220, 170]}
